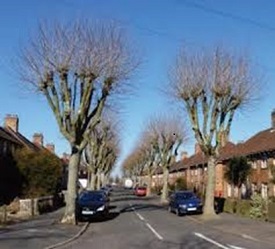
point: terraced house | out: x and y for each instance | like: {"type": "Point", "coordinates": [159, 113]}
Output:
{"type": "Point", "coordinates": [259, 151]}
{"type": "Point", "coordinates": [10, 140]}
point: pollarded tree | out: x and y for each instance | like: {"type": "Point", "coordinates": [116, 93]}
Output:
{"type": "Point", "coordinates": [111, 153]}
{"type": "Point", "coordinates": [149, 148]}
{"type": "Point", "coordinates": [77, 67]}
{"type": "Point", "coordinates": [101, 151]}
{"type": "Point", "coordinates": [170, 134]}
{"type": "Point", "coordinates": [134, 165]}
{"type": "Point", "coordinates": [212, 86]}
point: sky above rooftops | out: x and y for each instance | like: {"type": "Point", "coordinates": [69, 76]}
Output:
{"type": "Point", "coordinates": [158, 28]}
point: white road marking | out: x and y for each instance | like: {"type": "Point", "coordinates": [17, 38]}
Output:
{"type": "Point", "coordinates": [235, 247]}
{"type": "Point", "coordinates": [211, 241]}
{"type": "Point", "coordinates": [249, 237]}
{"type": "Point", "coordinates": [139, 216]}
{"type": "Point", "coordinates": [147, 224]}
{"type": "Point", "coordinates": [154, 231]}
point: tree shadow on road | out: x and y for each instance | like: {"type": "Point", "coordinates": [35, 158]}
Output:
{"type": "Point", "coordinates": [132, 198]}
{"type": "Point", "coordinates": [98, 219]}
{"type": "Point", "coordinates": [147, 207]}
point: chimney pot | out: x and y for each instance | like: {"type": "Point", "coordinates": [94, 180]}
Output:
{"type": "Point", "coordinates": [51, 148]}
{"type": "Point", "coordinates": [184, 155]}
{"type": "Point", "coordinates": [12, 122]}
{"type": "Point", "coordinates": [197, 148]}
{"type": "Point", "coordinates": [38, 139]}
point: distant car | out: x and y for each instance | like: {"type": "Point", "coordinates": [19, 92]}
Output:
{"type": "Point", "coordinates": [106, 190]}
{"type": "Point", "coordinates": [140, 191]}
{"type": "Point", "coordinates": [109, 186]}
{"type": "Point", "coordinates": [128, 183]}
{"type": "Point", "coordinates": [184, 202]}
{"type": "Point", "coordinates": [92, 203]}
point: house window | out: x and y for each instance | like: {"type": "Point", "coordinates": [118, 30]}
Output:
{"type": "Point", "coordinates": [264, 190]}
{"type": "Point", "coordinates": [264, 164]}
{"type": "Point", "coordinates": [229, 190]}
{"type": "Point", "coordinates": [254, 164]}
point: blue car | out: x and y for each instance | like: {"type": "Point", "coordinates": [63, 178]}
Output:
{"type": "Point", "coordinates": [183, 202]}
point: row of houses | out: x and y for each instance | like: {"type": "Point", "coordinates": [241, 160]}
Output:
{"type": "Point", "coordinates": [259, 151]}
{"type": "Point", "coordinates": [10, 140]}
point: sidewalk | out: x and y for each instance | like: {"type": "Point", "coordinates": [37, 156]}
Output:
{"type": "Point", "coordinates": [245, 227]}
{"type": "Point", "coordinates": [38, 233]}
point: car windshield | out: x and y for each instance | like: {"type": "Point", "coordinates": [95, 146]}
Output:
{"type": "Point", "coordinates": [185, 195]}
{"type": "Point", "coordinates": [91, 197]}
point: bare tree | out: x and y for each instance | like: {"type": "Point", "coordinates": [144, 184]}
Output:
{"type": "Point", "coordinates": [149, 149]}
{"type": "Point", "coordinates": [170, 134]}
{"type": "Point", "coordinates": [134, 165]}
{"type": "Point", "coordinates": [77, 67]}
{"type": "Point", "coordinates": [212, 86]}
{"type": "Point", "coordinates": [101, 153]}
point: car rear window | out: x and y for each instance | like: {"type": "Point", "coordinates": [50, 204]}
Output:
{"type": "Point", "coordinates": [141, 188]}
{"type": "Point", "coordinates": [92, 197]}
{"type": "Point", "coordinates": [185, 195]}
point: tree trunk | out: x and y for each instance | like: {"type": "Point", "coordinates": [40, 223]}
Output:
{"type": "Point", "coordinates": [208, 210]}
{"type": "Point", "coordinates": [92, 181]}
{"type": "Point", "coordinates": [164, 194]}
{"type": "Point", "coordinates": [69, 216]}
{"type": "Point", "coordinates": [98, 182]}
{"type": "Point", "coordinates": [149, 185]}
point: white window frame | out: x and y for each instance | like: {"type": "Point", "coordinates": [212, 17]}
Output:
{"type": "Point", "coordinates": [254, 164]}
{"type": "Point", "coordinates": [264, 190]}
{"type": "Point", "coordinates": [264, 164]}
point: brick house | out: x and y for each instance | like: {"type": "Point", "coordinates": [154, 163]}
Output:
{"type": "Point", "coordinates": [260, 152]}
{"type": "Point", "coordinates": [10, 140]}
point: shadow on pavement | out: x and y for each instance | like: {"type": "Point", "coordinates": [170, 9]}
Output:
{"type": "Point", "coordinates": [148, 207]}
{"type": "Point", "coordinates": [98, 219]}
{"type": "Point", "coordinates": [132, 198]}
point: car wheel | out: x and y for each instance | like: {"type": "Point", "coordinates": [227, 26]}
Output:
{"type": "Point", "coordinates": [178, 213]}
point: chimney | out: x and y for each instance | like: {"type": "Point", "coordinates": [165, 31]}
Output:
{"type": "Point", "coordinates": [273, 119]}
{"type": "Point", "coordinates": [50, 148]}
{"type": "Point", "coordinates": [12, 122]}
{"type": "Point", "coordinates": [38, 139]}
{"type": "Point", "coordinates": [184, 155]}
{"type": "Point", "coordinates": [197, 148]}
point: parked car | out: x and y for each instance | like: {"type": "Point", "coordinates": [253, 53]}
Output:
{"type": "Point", "coordinates": [106, 190]}
{"type": "Point", "coordinates": [140, 191]}
{"type": "Point", "coordinates": [92, 203]}
{"type": "Point", "coordinates": [183, 202]}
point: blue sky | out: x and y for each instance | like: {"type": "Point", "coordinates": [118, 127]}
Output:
{"type": "Point", "coordinates": [158, 28]}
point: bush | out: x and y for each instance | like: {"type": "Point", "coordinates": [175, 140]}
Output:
{"type": "Point", "coordinates": [240, 207]}
{"type": "Point", "coordinates": [243, 207]}
{"type": "Point", "coordinates": [41, 172]}
{"type": "Point", "coordinates": [230, 206]}
{"type": "Point", "coordinates": [257, 206]}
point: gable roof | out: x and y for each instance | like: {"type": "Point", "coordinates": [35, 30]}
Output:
{"type": "Point", "coordinates": [22, 139]}
{"type": "Point", "coordinates": [5, 135]}
{"type": "Point", "coordinates": [263, 141]}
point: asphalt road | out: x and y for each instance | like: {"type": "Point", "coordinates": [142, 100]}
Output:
{"type": "Point", "coordinates": [142, 223]}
